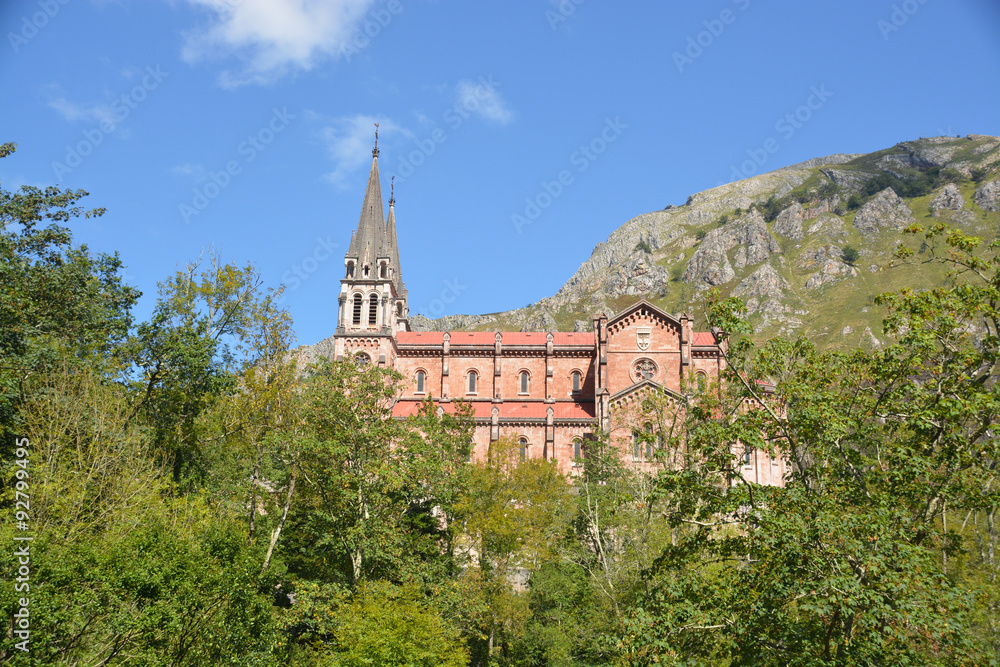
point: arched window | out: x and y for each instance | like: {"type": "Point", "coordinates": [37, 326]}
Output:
{"type": "Point", "coordinates": [362, 359]}
{"type": "Point", "coordinates": [576, 382]}
{"type": "Point", "coordinates": [373, 310]}
{"type": "Point", "coordinates": [366, 270]}
{"type": "Point", "coordinates": [420, 382]}
{"type": "Point", "coordinates": [384, 270]}
{"type": "Point", "coordinates": [357, 309]}
{"type": "Point", "coordinates": [636, 451]}
{"type": "Point", "coordinates": [649, 441]}
{"type": "Point", "coordinates": [523, 382]}
{"type": "Point", "coordinates": [702, 382]}
{"type": "Point", "coordinates": [577, 450]}
{"type": "Point", "coordinates": [350, 269]}
{"type": "Point", "coordinates": [473, 380]}
{"type": "Point", "coordinates": [399, 308]}
{"type": "Point", "coordinates": [747, 455]}
{"type": "Point", "coordinates": [523, 443]}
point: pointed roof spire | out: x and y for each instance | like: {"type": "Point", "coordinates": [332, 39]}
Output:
{"type": "Point", "coordinates": [391, 240]}
{"type": "Point", "coordinates": [370, 236]}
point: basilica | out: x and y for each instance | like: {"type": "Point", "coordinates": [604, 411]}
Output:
{"type": "Point", "coordinates": [550, 391]}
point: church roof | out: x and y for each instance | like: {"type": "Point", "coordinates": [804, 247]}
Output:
{"type": "Point", "coordinates": [702, 338]}
{"type": "Point", "coordinates": [369, 240]}
{"type": "Point", "coordinates": [489, 338]}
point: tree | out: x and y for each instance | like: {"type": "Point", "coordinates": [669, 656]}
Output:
{"type": "Point", "coordinates": [54, 296]}
{"type": "Point", "coordinates": [849, 254]}
{"type": "Point", "coordinates": [213, 334]}
{"type": "Point", "coordinates": [515, 513]}
{"type": "Point", "coordinates": [843, 565]}
{"type": "Point", "coordinates": [387, 626]}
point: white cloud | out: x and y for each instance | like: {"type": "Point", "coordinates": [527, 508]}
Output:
{"type": "Point", "coordinates": [349, 142]}
{"type": "Point", "coordinates": [482, 98]}
{"type": "Point", "coordinates": [74, 111]}
{"type": "Point", "coordinates": [274, 37]}
{"type": "Point", "coordinates": [195, 172]}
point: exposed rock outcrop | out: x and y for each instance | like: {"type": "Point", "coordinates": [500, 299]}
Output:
{"type": "Point", "coordinates": [832, 271]}
{"type": "Point", "coordinates": [949, 198]}
{"type": "Point", "coordinates": [789, 222]}
{"type": "Point", "coordinates": [763, 291]}
{"type": "Point", "coordinates": [886, 210]}
{"type": "Point", "coordinates": [710, 263]}
{"type": "Point", "coordinates": [987, 196]}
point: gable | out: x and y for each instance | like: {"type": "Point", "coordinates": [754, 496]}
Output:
{"type": "Point", "coordinates": [635, 394]}
{"type": "Point", "coordinates": [644, 327]}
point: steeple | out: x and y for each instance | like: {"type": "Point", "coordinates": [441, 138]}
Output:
{"type": "Point", "coordinates": [372, 298]}
{"type": "Point", "coordinates": [369, 242]}
{"type": "Point", "coordinates": [393, 243]}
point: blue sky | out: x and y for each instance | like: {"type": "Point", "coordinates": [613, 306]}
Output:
{"type": "Point", "coordinates": [521, 133]}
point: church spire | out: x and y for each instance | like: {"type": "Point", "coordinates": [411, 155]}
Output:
{"type": "Point", "coordinates": [369, 239]}
{"type": "Point", "coordinates": [391, 240]}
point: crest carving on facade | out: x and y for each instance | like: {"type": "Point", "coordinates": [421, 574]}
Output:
{"type": "Point", "coordinates": [643, 336]}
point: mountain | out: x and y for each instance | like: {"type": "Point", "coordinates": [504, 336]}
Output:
{"type": "Point", "coordinates": [807, 247]}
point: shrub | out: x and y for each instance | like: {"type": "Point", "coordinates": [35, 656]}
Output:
{"type": "Point", "coordinates": [771, 208]}
{"type": "Point", "coordinates": [701, 234]}
{"type": "Point", "coordinates": [849, 254]}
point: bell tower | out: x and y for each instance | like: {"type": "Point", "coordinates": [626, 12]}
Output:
{"type": "Point", "coordinates": [372, 304]}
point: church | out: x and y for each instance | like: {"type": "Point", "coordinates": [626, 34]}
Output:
{"type": "Point", "coordinates": [550, 391]}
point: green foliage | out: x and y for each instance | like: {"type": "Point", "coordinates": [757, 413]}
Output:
{"type": "Point", "coordinates": [54, 296]}
{"type": "Point", "coordinates": [844, 565]}
{"type": "Point", "coordinates": [849, 254]}
{"type": "Point", "coordinates": [643, 246]}
{"type": "Point", "coordinates": [923, 183]}
{"type": "Point", "coordinates": [723, 219]}
{"type": "Point", "coordinates": [206, 330]}
{"type": "Point", "coordinates": [171, 590]}
{"type": "Point", "coordinates": [854, 201]}
{"type": "Point", "coordinates": [701, 234]}
{"type": "Point", "coordinates": [388, 626]}
{"type": "Point", "coordinates": [772, 207]}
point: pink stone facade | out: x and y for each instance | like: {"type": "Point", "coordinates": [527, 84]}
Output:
{"type": "Point", "coordinates": [551, 391]}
